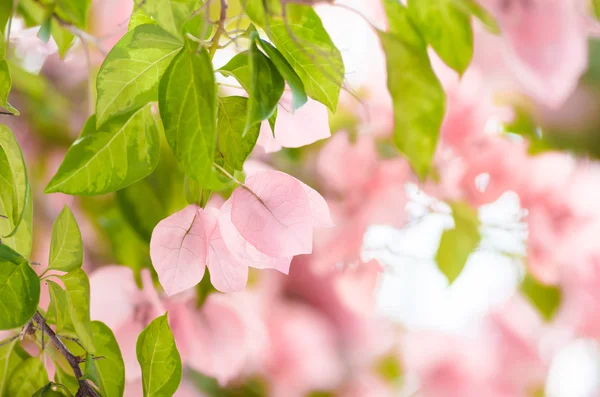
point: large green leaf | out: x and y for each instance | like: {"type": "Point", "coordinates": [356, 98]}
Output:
{"type": "Point", "coordinates": [27, 378]}
{"type": "Point", "coordinates": [11, 355]}
{"type": "Point", "coordinates": [73, 11]}
{"type": "Point", "coordinates": [58, 309]}
{"type": "Point", "coordinates": [77, 287]}
{"type": "Point", "coordinates": [457, 244]}
{"type": "Point", "coordinates": [546, 298]}
{"type": "Point", "coordinates": [287, 72]}
{"type": "Point", "coordinates": [306, 45]}
{"type": "Point", "coordinates": [447, 28]}
{"type": "Point", "coordinates": [266, 87]}
{"type": "Point", "coordinates": [20, 182]}
{"type": "Point", "coordinates": [19, 289]}
{"type": "Point", "coordinates": [159, 359]}
{"type": "Point", "coordinates": [234, 147]}
{"type": "Point", "coordinates": [109, 374]}
{"type": "Point", "coordinates": [123, 151]}
{"type": "Point", "coordinates": [66, 246]}
{"type": "Point", "coordinates": [188, 108]}
{"type": "Point", "coordinates": [130, 74]}
{"type": "Point", "coordinates": [170, 14]}
{"type": "Point", "coordinates": [418, 97]}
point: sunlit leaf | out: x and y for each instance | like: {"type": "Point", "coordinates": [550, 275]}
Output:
{"type": "Point", "coordinates": [63, 38]}
{"type": "Point", "coordinates": [109, 372]}
{"type": "Point", "coordinates": [58, 309]}
{"type": "Point", "coordinates": [66, 246]}
{"type": "Point", "coordinates": [159, 359]}
{"type": "Point", "coordinates": [19, 289]}
{"type": "Point", "coordinates": [170, 15]}
{"type": "Point", "coordinates": [239, 67]}
{"type": "Point", "coordinates": [141, 206]}
{"type": "Point", "coordinates": [73, 11]}
{"type": "Point", "coordinates": [234, 147]}
{"type": "Point", "coordinates": [121, 152]}
{"type": "Point", "coordinates": [27, 378]}
{"type": "Point", "coordinates": [11, 355]}
{"type": "Point", "coordinates": [130, 74]}
{"type": "Point", "coordinates": [77, 287]}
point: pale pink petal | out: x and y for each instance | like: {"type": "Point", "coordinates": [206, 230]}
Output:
{"type": "Point", "coordinates": [178, 250]}
{"type": "Point", "coordinates": [113, 295]}
{"type": "Point", "coordinates": [276, 217]}
{"type": "Point", "coordinates": [227, 274]}
{"type": "Point", "coordinates": [243, 251]}
{"type": "Point", "coordinates": [318, 208]}
{"type": "Point", "coordinates": [306, 125]}
{"type": "Point", "coordinates": [217, 340]}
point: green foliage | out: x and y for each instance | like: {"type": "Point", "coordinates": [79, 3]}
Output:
{"type": "Point", "coordinates": [66, 246]}
{"type": "Point", "coordinates": [72, 11]}
{"type": "Point", "coordinates": [66, 379]}
{"type": "Point", "coordinates": [546, 298]}
{"type": "Point", "coordinates": [5, 13]}
{"type": "Point", "coordinates": [299, 97]}
{"type": "Point", "coordinates": [19, 289]}
{"type": "Point", "coordinates": [27, 378]}
{"type": "Point", "coordinates": [129, 76]}
{"type": "Point", "coordinates": [473, 7]}
{"type": "Point", "coordinates": [77, 288]}
{"type": "Point", "coordinates": [596, 7]}
{"type": "Point", "coordinates": [188, 108]}
{"type": "Point", "coordinates": [170, 15]}
{"type": "Point", "coordinates": [5, 78]}
{"type": "Point", "coordinates": [306, 45]}
{"type": "Point", "coordinates": [234, 146]}
{"type": "Point", "coordinates": [266, 87]}
{"type": "Point", "coordinates": [64, 39]}
{"type": "Point", "coordinates": [11, 355]}
{"type": "Point", "coordinates": [58, 312]}
{"type": "Point", "coordinates": [159, 359]}
{"type": "Point", "coordinates": [119, 153]}
{"type": "Point", "coordinates": [447, 28]}
{"type": "Point", "coordinates": [141, 206]}
{"type": "Point", "coordinates": [417, 95]}
{"type": "Point", "coordinates": [457, 243]}
{"type": "Point", "coordinates": [239, 67]}
{"type": "Point", "coordinates": [109, 372]}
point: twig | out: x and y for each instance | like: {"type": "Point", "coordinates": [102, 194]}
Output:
{"type": "Point", "coordinates": [6, 113]}
{"type": "Point", "coordinates": [9, 340]}
{"type": "Point", "coordinates": [220, 29]}
{"type": "Point", "coordinates": [85, 389]}
{"type": "Point", "coordinates": [3, 216]}
{"type": "Point", "coordinates": [15, 4]}
{"type": "Point", "coordinates": [71, 339]}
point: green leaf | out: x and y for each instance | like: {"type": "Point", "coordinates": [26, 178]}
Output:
{"type": "Point", "coordinates": [130, 73]}
{"type": "Point", "coordinates": [19, 289]}
{"type": "Point", "coordinates": [73, 11]}
{"type": "Point", "coordinates": [16, 162]}
{"type": "Point", "coordinates": [234, 147]}
{"type": "Point", "coordinates": [418, 97]}
{"type": "Point", "coordinates": [288, 73]}
{"type": "Point", "coordinates": [27, 378]}
{"type": "Point", "coordinates": [42, 392]}
{"type": "Point", "coordinates": [66, 246]}
{"type": "Point", "coordinates": [546, 298]}
{"type": "Point", "coordinates": [306, 45]}
{"type": "Point", "coordinates": [239, 67]}
{"type": "Point", "coordinates": [22, 239]}
{"type": "Point", "coordinates": [139, 17]}
{"type": "Point", "coordinates": [159, 359]}
{"type": "Point", "coordinates": [77, 287]}
{"type": "Point", "coordinates": [447, 28]}
{"type": "Point", "coordinates": [170, 15]}
{"type": "Point", "coordinates": [5, 14]}
{"type": "Point", "coordinates": [109, 372]}
{"type": "Point", "coordinates": [596, 7]}
{"type": "Point", "coordinates": [5, 78]}
{"type": "Point", "coordinates": [64, 39]}
{"type": "Point", "coordinates": [66, 379]}
{"type": "Point", "coordinates": [266, 88]}
{"type": "Point", "coordinates": [480, 13]}
{"type": "Point", "coordinates": [45, 30]}
{"type": "Point", "coordinates": [141, 207]}
{"type": "Point", "coordinates": [58, 310]}
{"type": "Point", "coordinates": [188, 108]}
{"type": "Point", "coordinates": [457, 244]}
{"type": "Point", "coordinates": [11, 355]}
{"type": "Point", "coordinates": [119, 153]}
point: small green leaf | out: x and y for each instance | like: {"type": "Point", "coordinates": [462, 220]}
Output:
{"type": "Point", "coordinates": [188, 108]}
{"type": "Point", "coordinates": [546, 298]}
{"type": "Point", "coordinates": [19, 289]}
{"type": "Point", "coordinates": [141, 206]}
{"type": "Point", "coordinates": [288, 73]}
{"type": "Point", "coordinates": [66, 379]}
{"type": "Point", "coordinates": [11, 355]}
{"type": "Point", "coordinates": [77, 287]}
{"type": "Point", "coordinates": [234, 147]}
{"type": "Point", "coordinates": [266, 88]}
{"type": "Point", "coordinates": [27, 378]}
{"type": "Point", "coordinates": [457, 243]}
{"type": "Point", "coordinates": [66, 246]}
{"type": "Point", "coordinates": [45, 30]}
{"type": "Point", "coordinates": [480, 13]}
{"type": "Point", "coordinates": [42, 392]}
{"type": "Point", "coordinates": [239, 67]}
{"type": "Point", "coordinates": [107, 373]}
{"type": "Point", "coordinates": [170, 15]}
{"type": "Point", "coordinates": [447, 28]}
{"type": "Point", "coordinates": [306, 45]}
{"type": "Point", "coordinates": [130, 73]}
{"type": "Point", "coordinates": [418, 97]}
{"type": "Point", "coordinates": [64, 39]}
{"type": "Point", "coordinates": [58, 310]}
{"type": "Point", "coordinates": [73, 11]}
{"type": "Point", "coordinates": [159, 359]}
{"type": "Point", "coordinates": [121, 152]}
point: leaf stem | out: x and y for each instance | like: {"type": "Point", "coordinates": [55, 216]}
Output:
{"type": "Point", "coordinates": [242, 185]}
{"type": "Point", "coordinates": [85, 389]}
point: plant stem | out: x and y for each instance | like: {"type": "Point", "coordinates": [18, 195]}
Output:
{"type": "Point", "coordinates": [220, 29]}
{"type": "Point", "coordinates": [85, 389]}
